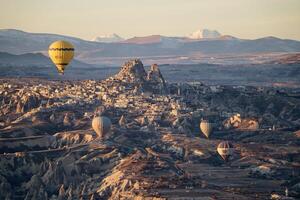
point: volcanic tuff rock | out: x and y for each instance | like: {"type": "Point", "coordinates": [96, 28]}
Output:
{"type": "Point", "coordinates": [5, 188]}
{"type": "Point", "coordinates": [155, 149]}
{"type": "Point", "coordinates": [154, 75]}
{"type": "Point", "coordinates": [155, 79]}
{"type": "Point", "coordinates": [132, 71]}
{"type": "Point", "coordinates": [36, 188]}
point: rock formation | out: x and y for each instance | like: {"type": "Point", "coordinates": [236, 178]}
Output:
{"type": "Point", "coordinates": [48, 149]}
{"type": "Point", "coordinates": [132, 72]}
{"type": "Point", "coordinates": [156, 80]}
{"type": "Point", "coordinates": [237, 122]}
{"type": "Point", "coordinates": [36, 189]}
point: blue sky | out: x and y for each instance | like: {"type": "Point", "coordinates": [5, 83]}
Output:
{"type": "Point", "coordinates": [90, 18]}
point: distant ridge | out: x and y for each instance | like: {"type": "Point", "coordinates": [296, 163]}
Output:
{"type": "Point", "coordinates": [32, 59]}
{"type": "Point", "coordinates": [145, 39]}
{"type": "Point", "coordinates": [20, 42]}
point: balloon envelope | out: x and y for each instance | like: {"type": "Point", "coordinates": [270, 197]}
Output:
{"type": "Point", "coordinates": [101, 125]}
{"type": "Point", "coordinates": [61, 53]}
{"type": "Point", "coordinates": [225, 149]}
{"type": "Point", "coordinates": [206, 127]}
{"type": "Point", "coordinates": [122, 121]}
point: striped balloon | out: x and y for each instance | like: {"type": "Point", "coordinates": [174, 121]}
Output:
{"type": "Point", "coordinates": [61, 53]}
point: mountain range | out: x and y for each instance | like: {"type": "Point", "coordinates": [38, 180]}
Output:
{"type": "Point", "coordinates": [196, 35]}
{"type": "Point", "coordinates": [154, 48]}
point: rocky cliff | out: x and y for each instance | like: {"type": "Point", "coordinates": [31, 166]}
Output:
{"type": "Point", "coordinates": [134, 72]}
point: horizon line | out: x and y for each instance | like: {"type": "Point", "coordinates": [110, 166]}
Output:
{"type": "Point", "coordinates": [127, 38]}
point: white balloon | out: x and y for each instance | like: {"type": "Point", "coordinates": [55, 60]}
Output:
{"type": "Point", "coordinates": [101, 125]}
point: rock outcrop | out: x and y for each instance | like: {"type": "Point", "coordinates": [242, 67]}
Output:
{"type": "Point", "coordinates": [237, 122]}
{"type": "Point", "coordinates": [36, 189]}
{"type": "Point", "coordinates": [133, 72]}
{"type": "Point", "coordinates": [27, 102]}
{"type": "Point", "coordinates": [156, 80]}
{"type": "Point", "coordinates": [5, 188]}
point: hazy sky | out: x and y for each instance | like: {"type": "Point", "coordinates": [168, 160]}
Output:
{"type": "Point", "coordinates": [90, 18]}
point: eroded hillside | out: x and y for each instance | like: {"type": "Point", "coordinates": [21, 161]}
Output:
{"type": "Point", "coordinates": [155, 149]}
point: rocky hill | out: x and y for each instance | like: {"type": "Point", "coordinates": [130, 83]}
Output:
{"type": "Point", "coordinates": [155, 149]}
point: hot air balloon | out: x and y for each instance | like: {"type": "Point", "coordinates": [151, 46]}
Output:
{"type": "Point", "coordinates": [206, 127]}
{"type": "Point", "coordinates": [122, 121]}
{"type": "Point", "coordinates": [225, 149]}
{"type": "Point", "coordinates": [101, 125]}
{"type": "Point", "coordinates": [61, 53]}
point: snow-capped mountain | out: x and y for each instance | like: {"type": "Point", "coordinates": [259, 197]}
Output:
{"type": "Point", "coordinates": [108, 38]}
{"type": "Point", "coordinates": [204, 34]}
{"type": "Point", "coordinates": [20, 42]}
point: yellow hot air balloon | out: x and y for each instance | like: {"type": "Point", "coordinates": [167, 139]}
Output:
{"type": "Point", "coordinates": [61, 53]}
{"type": "Point", "coordinates": [206, 127]}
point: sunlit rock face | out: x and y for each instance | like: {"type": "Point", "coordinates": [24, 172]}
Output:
{"type": "Point", "coordinates": [30, 101]}
{"type": "Point", "coordinates": [237, 122]}
{"type": "Point", "coordinates": [132, 71]}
